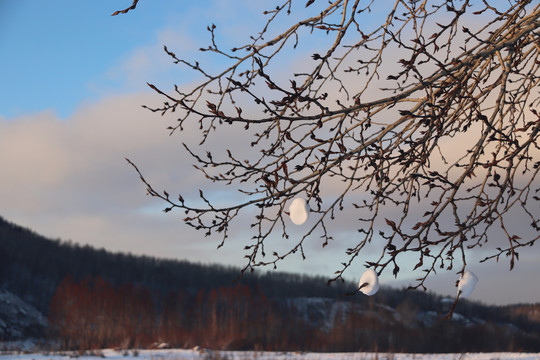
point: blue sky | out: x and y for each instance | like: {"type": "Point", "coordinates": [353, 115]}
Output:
{"type": "Point", "coordinates": [58, 55]}
{"type": "Point", "coordinates": [57, 51]}
{"type": "Point", "coordinates": [73, 79]}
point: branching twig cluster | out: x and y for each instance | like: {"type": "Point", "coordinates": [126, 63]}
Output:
{"type": "Point", "coordinates": [425, 127]}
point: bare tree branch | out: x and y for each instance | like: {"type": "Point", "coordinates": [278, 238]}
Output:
{"type": "Point", "coordinates": [424, 127]}
{"type": "Point", "coordinates": [132, 7]}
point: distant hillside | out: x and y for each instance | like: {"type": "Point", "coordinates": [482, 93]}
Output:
{"type": "Point", "coordinates": [95, 298]}
{"type": "Point", "coordinates": [32, 266]}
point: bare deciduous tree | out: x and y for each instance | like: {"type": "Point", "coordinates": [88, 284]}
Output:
{"type": "Point", "coordinates": [423, 127]}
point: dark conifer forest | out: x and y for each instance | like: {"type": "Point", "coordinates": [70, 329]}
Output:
{"type": "Point", "coordinates": [93, 298]}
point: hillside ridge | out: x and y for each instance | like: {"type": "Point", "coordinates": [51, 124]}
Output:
{"type": "Point", "coordinates": [49, 274]}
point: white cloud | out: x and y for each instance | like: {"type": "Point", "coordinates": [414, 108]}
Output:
{"type": "Point", "coordinates": [69, 178]}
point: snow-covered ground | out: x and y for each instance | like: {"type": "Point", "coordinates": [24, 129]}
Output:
{"type": "Point", "coordinates": [250, 355]}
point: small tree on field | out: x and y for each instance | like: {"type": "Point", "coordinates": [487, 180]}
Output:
{"type": "Point", "coordinates": [423, 127]}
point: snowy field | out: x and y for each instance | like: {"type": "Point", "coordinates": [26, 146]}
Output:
{"type": "Point", "coordinates": [250, 355]}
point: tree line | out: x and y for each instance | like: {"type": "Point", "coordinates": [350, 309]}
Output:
{"type": "Point", "coordinates": [94, 314]}
{"type": "Point", "coordinates": [94, 298]}
{"type": "Point", "coordinates": [32, 267]}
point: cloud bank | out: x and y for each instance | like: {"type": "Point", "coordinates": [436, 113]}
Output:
{"type": "Point", "coordinates": [69, 180]}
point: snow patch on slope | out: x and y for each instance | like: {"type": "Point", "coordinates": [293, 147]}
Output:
{"type": "Point", "coordinates": [18, 319]}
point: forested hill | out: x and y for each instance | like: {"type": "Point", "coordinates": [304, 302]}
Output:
{"type": "Point", "coordinates": [95, 298]}
{"type": "Point", "coordinates": [32, 266]}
